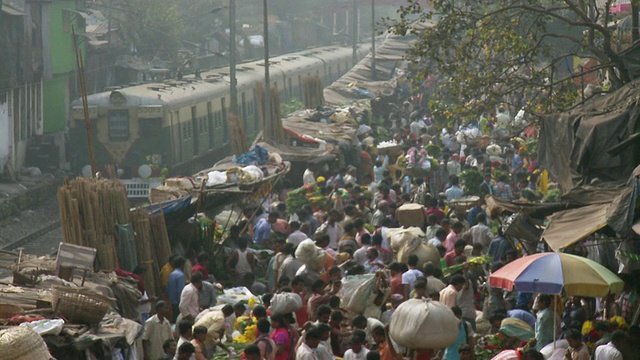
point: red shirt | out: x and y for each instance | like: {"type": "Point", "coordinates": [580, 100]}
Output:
{"type": "Point", "coordinates": [440, 215]}
{"type": "Point", "coordinates": [203, 270]}
{"type": "Point", "coordinates": [450, 257]}
{"type": "Point", "coordinates": [301, 315]}
{"type": "Point", "coordinates": [395, 285]}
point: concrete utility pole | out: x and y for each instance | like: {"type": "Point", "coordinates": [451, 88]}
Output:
{"type": "Point", "coordinates": [354, 31]}
{"type": "Point", "coordinates": [373, 39]}
{"type": "Point", "coordinates": [233, 103]}
{"type": "Point", "coordinates": [268, 131]}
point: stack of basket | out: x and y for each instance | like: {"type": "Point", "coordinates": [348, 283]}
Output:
{"type": "Point", "coordinates": [22, 343]}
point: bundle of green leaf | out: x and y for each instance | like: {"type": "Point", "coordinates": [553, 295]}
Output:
{"type": "Point", "coordinates": [472, 180]}
{"type": "Point", "coordinates": [553, 195]}
{"type": "Point", "coordinates": [308, 194]}
{"type": "Point", "coordinates": [296, 199]}
{"type": "Point", "coordinates": [478, 260]}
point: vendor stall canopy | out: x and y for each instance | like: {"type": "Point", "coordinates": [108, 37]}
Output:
{"type": "Point", "coordinates": [594, 144]}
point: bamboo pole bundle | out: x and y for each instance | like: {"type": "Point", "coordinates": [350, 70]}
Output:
{"type": "Point", "coordinates": [89, 211]}
{"type": "Point", "coordinates": [144, 248]}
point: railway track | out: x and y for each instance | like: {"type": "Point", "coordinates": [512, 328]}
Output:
{"type": "Point", "coordinates": [32, 237]}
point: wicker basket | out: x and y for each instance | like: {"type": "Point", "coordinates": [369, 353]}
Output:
{"type": "Point", "coordinates": [22, 343]}
{"type": "Point", "coordinates": [7, 311]}
{"type": "Point", "coordinates": [81, 306]}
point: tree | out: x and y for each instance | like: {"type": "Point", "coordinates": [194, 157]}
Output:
{"type": "Point", "coordinates": [154, 27]}
{"type": "Point", "coordinates": [518, 52]}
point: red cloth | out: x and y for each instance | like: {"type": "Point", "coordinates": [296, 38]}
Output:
{"type": "Point", "coordinates": [396, 286]}
{"type": "Point", "coordinates": [203, 270]}
{"type": "Point", "coordinates": [450, 257]}
{"type": "Point", "coordinates": [301, 315]}
{"type": "Point", "coordinates": [440, 215]}
{"type": "Point", "coordinates": [136, 277]}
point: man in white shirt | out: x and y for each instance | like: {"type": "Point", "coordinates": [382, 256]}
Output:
{"type": "Point", "coordinates": [307, 350]}
{"type": "Point", "coordinates": [481, 233]}
{"type": "Point", "coordinates": [438, 240]}
{"type": "Point", "coordinates": [611, 350]}
{"type": "Point", "coordinates": [290, 265]}
{"type": "Point", "coordinates": [410, 276]}
{"type": "Point", "coordinates": [184, 329]}
{"type": "Point", "coordinates": [357, 351]}
{"type": "Point", "coordinates": [157, 330]}
{"type": "Point", "coordinates": [360, 255]}
{"type": "Point", "coordinates": [332, 228]}
{"type": "Point", "coordinates": [296, 236]}
{"type": "Point", "coordinates": [189, 298]}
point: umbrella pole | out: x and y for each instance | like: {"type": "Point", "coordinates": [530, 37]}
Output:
{"type": "Point", "coordinates": [555, 320]}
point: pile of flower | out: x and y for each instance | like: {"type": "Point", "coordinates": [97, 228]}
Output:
{"type": "Point", "coordinates": [589, 334]}
{"type": "Point", "coordinates": [247, 328]}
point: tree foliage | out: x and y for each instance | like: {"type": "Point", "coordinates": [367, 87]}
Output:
{"type": "Point", "coordinates": [154, 27]}
{"type": "Point", "coordinates": [486, 52]}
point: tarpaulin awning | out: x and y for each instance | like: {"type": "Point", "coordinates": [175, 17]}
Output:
{"type": "Point", "coordinates": [570, 226]}
{"type": "Point", "coordinates": [574, 145]}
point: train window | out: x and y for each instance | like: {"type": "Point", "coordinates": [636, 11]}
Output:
{"type": "Point", "coordinates": [290, 88]}
{"type": "Point", "coordinates": [339, 72]}
{"type": "Point", "coordinates": [330, 75]}
{"type": "Point", "coordinates": [118, 125]}
{"type": "Point", "coordinates": [209, 111]}
{"type": "Point", "coordinates": [203, 125]}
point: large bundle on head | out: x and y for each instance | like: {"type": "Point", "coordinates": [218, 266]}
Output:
{"type": "Point", "coordinates": [399, 236]}
{"type": "Point", "coordinates": [412, 241]}
{"type": "Point", "coordinates": [411, 215]}
{"type": "Point", "coordinates": [22, 343]}
{"type": "Point", "coordinates": [359, 291]}
{"type": "Point", "coordinates": [310, 255]}
{"type": "Point", "coordinates": [423, 324]}
{"type": "Point", "coordinates": [285, 303]}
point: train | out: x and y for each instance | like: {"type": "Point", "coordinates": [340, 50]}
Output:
{"type": "Point", "coordinates": [179, 126]}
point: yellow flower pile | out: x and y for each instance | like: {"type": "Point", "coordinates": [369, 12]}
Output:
{"type": "Point", "coordinates": [619, 322]}
{"type": "Point", "coordinates": [249, 335]}
{"type": "Point", "coordinates": [587, 326]}
{"type": "Point", "coordinates": [247, 328]}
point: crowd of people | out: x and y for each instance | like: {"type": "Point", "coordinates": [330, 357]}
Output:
{"type": "Point", "coordinates": [352, 228]}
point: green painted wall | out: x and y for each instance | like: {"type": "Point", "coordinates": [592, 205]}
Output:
{"type": "Point", "coordinates": [62, 52]}
{"type": "Point", "coordinates": [55, 104]}
{"type": "Point", "coordinates": [63, 63]}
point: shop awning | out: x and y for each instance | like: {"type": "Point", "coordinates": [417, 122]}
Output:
{"type": "Point", "coordinates": [570, 226]}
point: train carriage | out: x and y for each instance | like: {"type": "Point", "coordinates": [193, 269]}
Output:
{"type": "Point", "coordinates": [181, 125]}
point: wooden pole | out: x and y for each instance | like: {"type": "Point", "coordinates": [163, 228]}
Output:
{"type": "Point", "coordinates": [85, 105]}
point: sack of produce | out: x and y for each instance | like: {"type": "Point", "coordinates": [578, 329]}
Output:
{"type": "Point", "coordinates": [494, 150]}
{"type": "Point", "coordinates": [411, 215]}
{"type": "Point", "coordinates": [355, 289]}
{"type": "Point", "coordinates": [359, 291]}
{"type": "Point", "coordinates": [416, 246]}
{"type": "Point", "coordinates": [423, 324]}
{"type": "Point", "coordinates": [310, 255]}
{"type": "Point", "coordinates": [287, 302]}
{"type": "Point", "coordinates": [399, 236]}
